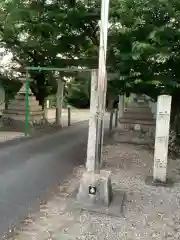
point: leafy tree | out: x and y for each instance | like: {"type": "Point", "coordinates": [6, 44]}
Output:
{"type": "Point", "coordinates": [144, 45]}
{"type": "Point", "coordinates": [44, 34]}
{"type": "Point", "coordinates": [77, 92]}
{"type": "Point", "coordinates": [11, 87]}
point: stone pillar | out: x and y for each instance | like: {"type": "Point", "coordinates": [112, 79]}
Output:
{"type": "Point", "coordinates": [152, 105]}
{"type": "Point", "coordinates": [46, 110]}
{"type": "Point", "coordinates": [154, 109]}
{"type": "Point", "coordinates": [132, 98]}
{"type": "Point", "coordinates": [47, 104]}
{"type": "Point", "coordinates": [95, 185]}
{"type": "Point", "coordinates": [59, 100]}
{"type": "Point", "coordinates": [162, 138]}
{"type": "Point", "coordinates": [121, 106]}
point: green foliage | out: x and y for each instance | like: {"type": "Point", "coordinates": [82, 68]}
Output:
{"type": "Point", "coordinates": [11, 86]}
{"type": "Point", "coordinates": [77, 92]}
{"type": "Point", "coordinates": [41, 34]}
{"type": "Point", "coordinates": [144, 45]}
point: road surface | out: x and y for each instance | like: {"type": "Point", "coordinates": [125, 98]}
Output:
{"type": "Point", "coordinates": [28, 169]}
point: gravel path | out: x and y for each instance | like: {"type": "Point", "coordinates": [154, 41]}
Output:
{"type": "Point", "coordinates": [148, 212]}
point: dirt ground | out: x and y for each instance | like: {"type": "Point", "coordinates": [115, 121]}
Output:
{"type": "Point", "coordinates": [77, 115]}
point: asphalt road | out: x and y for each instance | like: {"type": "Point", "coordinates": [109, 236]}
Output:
{"type": "Point", "coordinates": [28, 169]}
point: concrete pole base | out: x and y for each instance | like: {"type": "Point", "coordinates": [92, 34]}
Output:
{"type": "Point", "coordinates": [95, 188]}
{"type": "Point", "coordinates": [95, 195]}
{"type": "Point", "coordinates": [157, 183]}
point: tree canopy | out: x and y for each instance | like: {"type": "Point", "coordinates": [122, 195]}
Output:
{"type": "Point", "coordinates": [143, 42]}
{"type": "Point", "coordinates": [42, 33]}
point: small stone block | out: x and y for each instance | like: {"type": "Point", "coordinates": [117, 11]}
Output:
{"type": "Point", "coordinates": [101, 182]}
{"type": "Point", "coordinates": [150, 181]}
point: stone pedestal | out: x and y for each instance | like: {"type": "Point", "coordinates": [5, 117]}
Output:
{"type": "Point", "coordinates": [95, 188]}
{"type": "Point", "coordinates": [14, 116]}
{"type": "Point", "coordinates": [95, 195]}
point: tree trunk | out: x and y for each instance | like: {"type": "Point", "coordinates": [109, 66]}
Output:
{"type": "Point", "coordinates": [110, 104]}
{"type": "Point", "coordinates": [121, 106]}
{"type": "Point", "coordinates": [39, 87]}
{"type": "Point", "coordinates": [59, 101]}
{"type": "Point", "coordinates": [6, 100]}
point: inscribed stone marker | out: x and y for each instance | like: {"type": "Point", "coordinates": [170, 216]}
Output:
{"type": "Point", "coordinates": [121, 106]}
{"type": "Point", "coordinates": [162, 138]}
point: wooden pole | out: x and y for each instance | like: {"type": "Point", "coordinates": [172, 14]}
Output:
{"type": "Point", "coordinates": [121, 106]}
{"type": "Point", "coordinates": [69, 116]}
{"type": "Point", "coordinates": [116, 118]}
{"type": "Point", "coordinates": [59, 101]}
{"type": "Point", "coordinates": [111, 122]}
{"type": "Point", "coordinates": [26, 107]}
